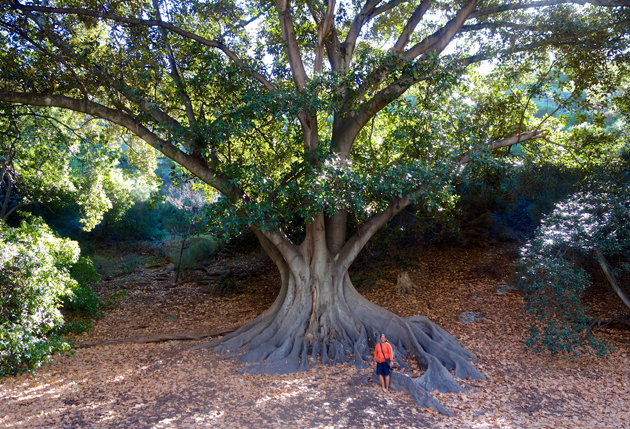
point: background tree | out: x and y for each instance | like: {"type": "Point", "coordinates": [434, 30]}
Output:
{"type": "Point", "coordinates": [270, 104]}
{"type": "Point", "coordinates": [577, 240]}
{"type": "Point", "coordinates": [189, 202]}
{"type": "Point", "coordinates": [55, 157]}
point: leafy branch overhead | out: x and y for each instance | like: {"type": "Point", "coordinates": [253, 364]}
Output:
{"type": "Point", "coordinates": [48, 157]}
{"type": "Point", "coordinates": [219, 99]}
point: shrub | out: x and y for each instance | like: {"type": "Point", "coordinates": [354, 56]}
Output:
{"type": "Point", "coordinates": [34, 278]}
{"type": "Point", "coordinates": [82, 299]}
{"type": "Point", "coordinates": [553, 267]}
{"type": "Point", "coordinates": [227, 285]}
{"type": "Point", "coordinates": [197, 250]}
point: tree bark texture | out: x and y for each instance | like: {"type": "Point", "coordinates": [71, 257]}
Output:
{"type": "Point", "coordinates": [319, 317]}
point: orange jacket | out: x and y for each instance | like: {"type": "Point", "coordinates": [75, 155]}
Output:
{"type": "Point", "coordinates": [383, 352]}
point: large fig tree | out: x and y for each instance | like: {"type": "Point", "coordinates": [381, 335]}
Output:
{"type": "Point", "coordinates": [310, 111]}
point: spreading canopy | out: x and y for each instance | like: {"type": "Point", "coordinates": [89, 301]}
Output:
{"type": "Point", "coordinates": [266, 102]}
{"type": "Point", "coordinates": [297, 111]}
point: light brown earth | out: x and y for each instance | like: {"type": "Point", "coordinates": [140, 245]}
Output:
{"type": "Point", "coordinates": [164, 385]}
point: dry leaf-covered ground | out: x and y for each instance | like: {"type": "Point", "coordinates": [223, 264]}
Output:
{"type": "Point", "coordinates": [164, 385]}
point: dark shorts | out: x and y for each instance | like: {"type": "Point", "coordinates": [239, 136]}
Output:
{"type": "Point", "coordinates": [382, 368]}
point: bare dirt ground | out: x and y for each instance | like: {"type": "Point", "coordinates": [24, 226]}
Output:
{"type": "Point", "coordinates": [165, 385]}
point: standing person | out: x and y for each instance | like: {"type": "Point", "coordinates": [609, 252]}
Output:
{"type": "Point", "coordinates": [383, 361]}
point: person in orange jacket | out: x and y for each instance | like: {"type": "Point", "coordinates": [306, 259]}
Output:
{"type": "Point", "coordinates": [383, 361]}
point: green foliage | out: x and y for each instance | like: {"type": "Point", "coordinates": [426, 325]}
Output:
{"type": "Point", "coordinates": [84, 272]}
{"type": "Point", "coordinates": [117, 264]}
{"type": "Point", "coordinates": [82, 299]}
{"type": "Point", "coordinates": [34, 278]}
{"type": "Point", "coordinates": [403, 117]}
{"type": "Point", "coordinates": [39, 274]}
{"type": "Point", "coordinates": [76, 327]}
{"type": "Point", "coordinates": [61, 158]}
{"type": "Point", "coordinates": [197, 250]}
{"type": "Point", "coordinates": [553, 268]}
{"type": "Point", "coordinates": [21, 350]}
{"type": "Point", "coordinates": [130, 264]}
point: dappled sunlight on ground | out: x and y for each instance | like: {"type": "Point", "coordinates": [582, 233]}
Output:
{"type": "Point", "coordinates": [164, 385]}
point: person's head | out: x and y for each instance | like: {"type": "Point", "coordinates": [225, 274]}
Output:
{"type": "Point", "coordinates": [383, 338]}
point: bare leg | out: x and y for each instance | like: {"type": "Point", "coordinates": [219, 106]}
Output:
{"type": "Point", "coordinates": [380, 377]}
{"type": "Point", "coordinates": [387, 378]}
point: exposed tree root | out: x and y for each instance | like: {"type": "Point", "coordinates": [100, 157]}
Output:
{"type": "Point", "coordinates": [404, 383]}
{"type": "Point", "coordinates": [286, 338]}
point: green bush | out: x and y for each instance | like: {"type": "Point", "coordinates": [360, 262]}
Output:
{"type": "Point", "coordinates": [553, 269]}
{"type": "Point", "coordinates": [130, 264]}
{"type": "Point", "coordinates": [82, 299]}
{"type": "Point", "coordinates": [75, 327]}
{"type": "Point", "coordinates": [197, 250]}
{"type": "Point", "coordinates": [34, 278]}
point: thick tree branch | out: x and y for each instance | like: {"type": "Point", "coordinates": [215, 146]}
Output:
{"type": "Point", "coordinates": [441, 38]}
{"type": "Point", "coordinates": [539, 4]}
{"type": "Point", "coordinates": [411, 25]}
{"type": "Point", "coordinates": [7, 195]}
{"type": "Point", "coordinates": [610, 277]}
{"type": "Point", "coordinates": [19, 206]}
{"type": "Point", "coordinates": [497, 25]}
{"type": "Point", "coordinates": [324, 28]}
{"type": "Point", "coordinates": [368, 11]}
{"type": "Point", "coordinates": [151, 23]}
{"type": "Point", "coordinates": [509, 141]}
{"type": "Point", "coordinates": [355, 29]}
{"type": "Point", "coordinates": [194, 164]}
{"type": "Point", "coordinates": [307, 120]}
{"type": "Point", "coordinates": [387, 6]}
{"type": "Point", "coordinates": [292, 47]}
{"type": "Point", "coordinates": [436, 42]}
{"type": "Point", "coordinates": [289, 251]}
{"type": "Point", "coordinates": [351, 249]}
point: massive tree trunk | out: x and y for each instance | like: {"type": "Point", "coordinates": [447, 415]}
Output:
{"type": "Point", "coordinates": [319, 317]}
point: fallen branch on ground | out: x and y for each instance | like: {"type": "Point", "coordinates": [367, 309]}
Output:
{"type": "Point", "coordinates": [232, 270]}
{"type": "Point", "coordinates": [236, 272]}
{"type": "Point", "coordinates": [191, 280]}
{"type": "Point", "coordinates": [156, 338]}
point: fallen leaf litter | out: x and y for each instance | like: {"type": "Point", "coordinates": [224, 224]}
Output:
{"type": "Point", "coordinates": [165, 385]}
